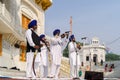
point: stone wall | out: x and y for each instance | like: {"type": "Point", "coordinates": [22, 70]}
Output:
{"type": "Point", "coordinates": [65, 67]}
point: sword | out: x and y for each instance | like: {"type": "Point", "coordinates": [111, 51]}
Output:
{"type": "Point", "coordinates": [33, 64]}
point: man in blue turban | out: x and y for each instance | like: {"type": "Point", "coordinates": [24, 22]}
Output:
{"type": "Point", "coordinates": [73, 48]}
{"type": "Point", "coordinates": [42, 57]}
{"type": "Point", "coordinates": [42, 37]}
{"type": "Point", "coordinates": [72, 38]}
{"type": "Point", "coordinates": [56, 32]}
{"type": "Point", "coordinates": [57, 45]}
{"type": "Point", "coordinates": [33, 44]}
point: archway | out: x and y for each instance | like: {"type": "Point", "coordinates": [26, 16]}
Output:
{"type": "Point", "coordinates": [95, 58]}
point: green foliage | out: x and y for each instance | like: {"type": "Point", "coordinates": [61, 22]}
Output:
{"type": "Point", "coordinates": [112, 57]}
{"type": "Point", "coordinates": [66, 52]}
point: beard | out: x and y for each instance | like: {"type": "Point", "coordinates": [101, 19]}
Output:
{"type": "Point", "coordinates": [35, 30]}
{"type": "Point", "coordinates": [73, 40]}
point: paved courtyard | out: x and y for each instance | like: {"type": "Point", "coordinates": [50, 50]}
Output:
{"type": "Point", "coordinates": [15, 74]}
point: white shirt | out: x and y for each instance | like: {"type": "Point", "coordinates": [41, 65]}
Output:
{"type": "Point", "coordinates": [56, 49]}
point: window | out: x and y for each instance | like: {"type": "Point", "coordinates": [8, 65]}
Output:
{"type": "Point", "coordinates": [87, 58]}
{"type": "Point", "coordinates": [25, 21]}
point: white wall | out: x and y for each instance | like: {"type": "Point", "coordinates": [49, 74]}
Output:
{"type": "Point", "coordinates": [16, 8]}
{"type": "Point", "coordinates": [86, 52]}
{"type": "Point", "coordinates": [11, 57]}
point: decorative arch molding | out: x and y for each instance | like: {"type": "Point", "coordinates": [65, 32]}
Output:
{"type": "Point", "coordinates": [28, 12]}
{"type": "Point", "coordinates": [31, 10]}
{"type": "Point", "coordinates": [87, 54]}
{"type": "Point", "coordinates": [95, 55]}
{"type": "Point", "coordinates": [27, 6]}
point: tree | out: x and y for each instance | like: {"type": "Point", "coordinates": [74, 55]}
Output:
{"type": "Point", "coordinates": [112, 57]}
{"type": "Point", "coordinates": [66, 52]}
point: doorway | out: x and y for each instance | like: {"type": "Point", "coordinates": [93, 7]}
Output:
{"type": "Point", "coordinates": [95, 58]}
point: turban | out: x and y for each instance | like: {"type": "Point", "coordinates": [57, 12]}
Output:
{"type": "Point", "coordinates": [42, 36]}
{"type": "Point", "coordinates": [71, 37]}
{"type": "Point", "coordinates": [32, 24]}
{"type": "Point", "coordinates": [56, 31]}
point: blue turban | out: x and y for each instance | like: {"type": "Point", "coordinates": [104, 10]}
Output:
{"type": "Point", "coordinates": [71, 37]}
{"type": "Point", "coordinates": [41, 36]}
{"type": "Point", "coordinates": [32, 24]}
{"type": "Point", "coordinates": [56, 31]}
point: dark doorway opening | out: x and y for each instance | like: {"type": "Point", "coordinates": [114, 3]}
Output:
{"type": "Point", "coordinates": [95, 58]}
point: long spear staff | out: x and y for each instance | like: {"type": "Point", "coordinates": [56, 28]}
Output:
{"type": "Point", "coordinates": [75, 78]}
{"type": "Point", "coordinates": [70, 25]}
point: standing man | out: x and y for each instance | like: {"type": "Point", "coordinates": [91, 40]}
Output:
{"type": "Point", "coordinates": [44, 56]}
{"type": "Point", "coordinates": [57, 43]}
{"type": "Point", "coordinates": [74, 66]}
{"type": "Point", "coordinates": [33, 44]}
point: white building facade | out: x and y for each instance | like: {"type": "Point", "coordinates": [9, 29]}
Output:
{"type": "Point", "coordinates": [93, 52]}
{"type": "Point", "coordinates": [14, 18]}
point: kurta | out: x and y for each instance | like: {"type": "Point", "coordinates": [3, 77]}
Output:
{"type": "Point", "coordinates": [42, 58]}
{"type": "Point", "coordinates": [72, 53]}
{"type": "Point", "coordinates": [57, 45]}
{"type": "Point", "coordinates": [44, 55]}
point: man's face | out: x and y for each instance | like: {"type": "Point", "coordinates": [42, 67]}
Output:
{"type": "Point", "coordinates": [35, 27]}
{"type": "Point", "coordinates": [73, 39]}
{"type": "Point", "coordinates": [58, 34]}
{"type": "Point", "coordinates": [43, 38]}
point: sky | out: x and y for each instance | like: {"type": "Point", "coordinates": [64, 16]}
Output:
{"type": "Point", "coordinates": [90, 18]}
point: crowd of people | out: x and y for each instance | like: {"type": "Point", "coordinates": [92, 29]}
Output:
{"type": "Point", "coordinates": [39, 47]}
{"type": "Point", "coordinates": [109, 68]}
